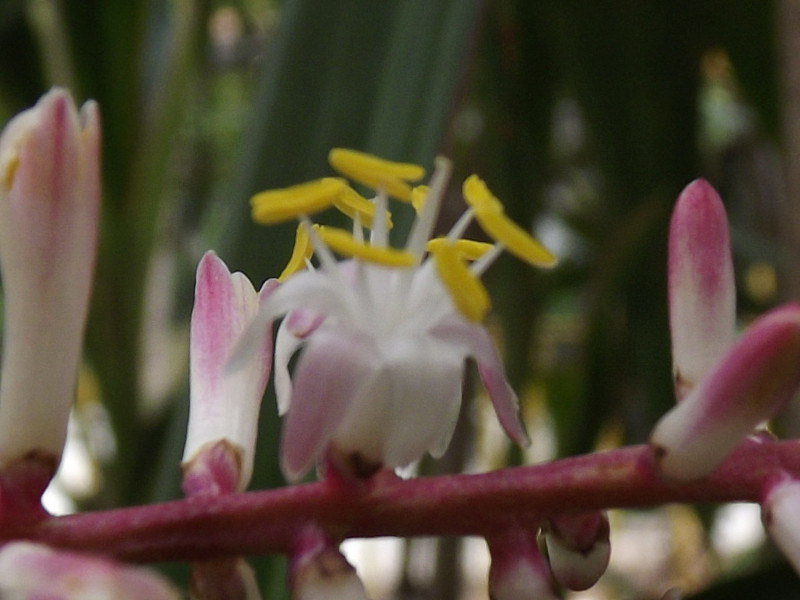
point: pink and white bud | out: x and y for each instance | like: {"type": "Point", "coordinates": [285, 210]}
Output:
{"type": "Point", "coordinates": [757, 376]}
{"type": "Point", "coordinates": [779, 511]}
{"type": "Point", "coordinates": [31, 571]}
{"type": "Point", "coordinates": [224, 403]}
{"type": "Point", "coordinates": [322, 573]}
{"type": "Point", "coordinates": [49, 209]}
{"type": "Point", "coordinates": [519, 571]}
{"type": "Point", "coordinates": [578, 548]}
{"type": "Point", "coordinates": [702, 290]}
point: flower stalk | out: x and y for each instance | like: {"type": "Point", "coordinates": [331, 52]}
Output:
{"type": "Point", "coordinates": [264, 522]}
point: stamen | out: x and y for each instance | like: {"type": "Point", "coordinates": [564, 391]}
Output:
{"type": "Point", "coordinates": [490, 214]}
{"type": "Point", "coordinates": [351, 203]}
{"type": "Point", "coordinates": [380, 234]}
{"type": "Point", "coordinates": [275, 206]}
{"type": "Point", "coordinates": [467, 292]}
{"type": "Point", "coordinates": [515, 239]}
{"type": "Point", "coordinates": [466, 249]}
{"type": "Point", "coordinates": [301, 253]}
{"type": "Point", "coordinates": [326, 258]}
{"type": "Point", "coordinates": [460, 226]}
{"type": "Point", "coordinates": [375, 172]}
{"type": "Point", "coordinates": [425, 221]}
{"type": "Point", "coordinates": [358, 229]}
{"type": "Point", "coordinates": [341, 242]}
{"type": "Point", "coordinates": [477, 195]}
{"type": "Point", "coordinates": [479, 267]}
{"type": "Point", "coordinates": [418, 195]}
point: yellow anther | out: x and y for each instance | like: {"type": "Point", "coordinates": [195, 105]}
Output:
{"type": "Point", "coordinates": [418, 195]}
{"type": "Point", "coordinates": [466, 249]}
{"type": "Point", "coordinates": [376, 173]}
{"type": "Point", "coordinates": [341, 242]}
{"type": "Point", "coordinates": [478, 196]}
{"type": "Point", "coordinates": [352, 203]}
{"type": "Point", "coordinates": [275, 206]}
{"type": "Point", "coordinates": [492, 218]}
{"type": "Point", "coordinates": [515, 239]}
{"type": "Point", "coordinates": [466, 290]}
{"type": "Point", "coordinates": [300, 254]}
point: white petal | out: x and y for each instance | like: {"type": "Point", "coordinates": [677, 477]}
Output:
{"type": "Point", "coordinates": [310, 290]}
{"type": "Point", "coordinates": [333, 373]}
{"type": "Point", "coordinates": [422, 387]}
{"type": "Point", "coordinates": [478, 344]}
{"type": "Point", "coordinates": [286, 345]}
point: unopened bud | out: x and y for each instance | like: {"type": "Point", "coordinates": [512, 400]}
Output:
{"type": "Point", "coordinates": [578, 548]}
{"type": "Point", "coordinates": [319, 571]}
{"type": "Point", "coordinates": [702, 291]}
{"type": "Point", "coordinates": [519, 571]}
{"type": "Point", "coordinates": [747, 386]}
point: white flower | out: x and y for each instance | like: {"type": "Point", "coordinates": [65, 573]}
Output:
{"type": "Point", "coordinates": [49, 205]}
{"type": "Point", "coordinates": [383, 336]}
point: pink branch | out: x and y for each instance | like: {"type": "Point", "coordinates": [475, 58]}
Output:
{"type": "Point", "coordinates": [264, 522]}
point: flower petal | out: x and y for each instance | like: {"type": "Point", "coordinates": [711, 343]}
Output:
{"type": "Point", "coordinates": [333, 373]}
{"type": "Point", "coordinates": [286, 345]}
{"type": "Point", "coordinates": [477, 343]}
{"type": "Point", "coordinates": [412, 407]}
{"type": "Point", "coordinates": [314, 291]}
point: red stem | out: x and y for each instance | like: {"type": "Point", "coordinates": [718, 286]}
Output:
{"type": "Point", "coordinates": [264, 522]}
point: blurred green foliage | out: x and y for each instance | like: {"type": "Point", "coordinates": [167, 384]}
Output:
{"type": "Point", "coordinates": [585, 118]}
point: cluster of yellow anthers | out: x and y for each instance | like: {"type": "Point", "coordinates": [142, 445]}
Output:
{"type": "Point", "coordinates": [452, 254]}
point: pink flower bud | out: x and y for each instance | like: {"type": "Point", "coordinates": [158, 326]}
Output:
{"type": "Point", "coordinates": [779, 512]}
{"type": "Point", "coordinates": [702, 291]}
{"type": "Point", "coordinates": [578, 548]}
{"type": "Point", "coordinates": [224, 403]}
{"type": "Point", "coordinates": [746, 387]}
{"type": "Point", "coordinates": [519, 571]}
{"type": "Point", "coordinates": [49, 203]}
{"type": "Point", "coordinates": [29, 570]}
